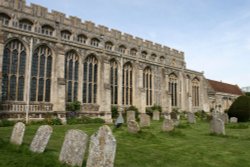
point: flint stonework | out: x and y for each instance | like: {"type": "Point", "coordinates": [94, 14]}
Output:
{"type": "Point", "coordinates": [17, 133]}
{"type": "Point", "coordinates": [41, 139]}
{"type": "Point", "coordinates": [133, 127]}
{"type": "Point", "coordinates": [167, 125]}
{"type": "Point", "coordinates": [130, 116]}
{"type": "Point", "coordinates": [144, 120]}
{"type": "Point", "coordinates": [102, 148]}
{"type": "Point", "coordinates": [217, 126]}
{"type": "Point", "coordinates": [156, 115]}
{"type": "Point", "coordinates": [74, 147]}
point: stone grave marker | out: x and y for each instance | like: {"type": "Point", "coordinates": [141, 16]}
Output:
{"type": "Point", "coordinates": [167, 125]}
{"type": "Point", "coordinates": [74, 146]}
{"type": "Point", "coordinates": [130, 116]}
{"type": "Point", "coordinates": [102, 148]}
{"type": "Point", "coordinates": [217, 126]}
{"type": "Point", "coordinates": [17, 133]}
{"type": "Point", "coordinates": [144, 120]}
{"type": "Point", "coordinates": [41, 139]}
{"type": "Point", "coordinates": [224, 117]}
{"type": "Point", "coordinates": [156, 115]}
{"type": "Point", "coordinates": [191, 117]}
{"type": "Point", "coordinates": [233, 120]}
{"type": "Point", "coordinates": [133, 127]}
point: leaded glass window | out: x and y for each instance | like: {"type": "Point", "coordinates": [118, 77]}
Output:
{"type": "Point", "coordinates": [147, 85]}
{"type": "Point", "coordinates": [114, 81]}
{"type": "Point", "coordinates": [25, 24]}
{"type": "Point", "coordinates": [4, 18]}
{"type": "Point", "coordinates": [133, 52]}
{"type": "Point", "coordinates": [71, 75]}
{"type": "Point", "coordinates": [195, 92]}
{"type": "Point", "coordinates": [108, 45]}
{"type": "Point", "coordinates": [41, 68]}
{"type": "Point", "coordinates": [13, 71]}
{"type": "Point", "coordinates": [90, 71]}
{"type": "Point", "coordinates": [127, 81]}
{"type": "Point", "coordinates": [47, 30]}
{"type": "Point", "coordinates": [94, 42]}
{"type": "Point", "coordinates": [81, 38]}
{"type": "Point", "coordinates": [173, 89]}
{"type": "Point", "coordinates": [65, 34]}
{"type": "Point", "coordinates": [122, 49]}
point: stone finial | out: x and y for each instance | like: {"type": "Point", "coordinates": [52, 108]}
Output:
{"type": "Point", "coordinates": [74, 146]}
{"type": "Point", "coordinates": [102, 148]}
{"type": "Point", "coordinates": [17, 133]}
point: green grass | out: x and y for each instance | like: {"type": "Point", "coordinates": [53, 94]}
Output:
{"type": "Point", "coordinates": [189, 145]}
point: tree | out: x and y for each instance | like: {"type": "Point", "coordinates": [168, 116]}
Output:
{"type": "Point", "coordinates": [240, 109]}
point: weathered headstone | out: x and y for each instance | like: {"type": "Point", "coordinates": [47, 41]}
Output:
{"type": "Point", "coordinates": [233, 120]}
{"type": "Point", "coordinates": [144, 120]}
{"type": "Point", "coordinates": [217, 126]}
{"type": "Point", "coordinates": [74, 146]}
{"type": "Point", "coordinates": [168, 125]}
{"type": "Point", "coordinates": [41, 139]}
{"type": "Point", "coordinates": [102, 148]}
{"type": "Point", "coordinates": [130, 116]}
{"type": "Point", "coordinates": [191, 117]}
{"type": "Point", "coordinates": [156, 115]}
{"type": "Point", "coordinates": [17, 133]}
{"type": "Point", "coordinates": [133, 127]}
{"type": "Point", "coordinates": [224, 117]}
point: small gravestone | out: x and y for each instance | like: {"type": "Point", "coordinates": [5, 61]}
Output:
{"type": "Point", "coordinates": [130, 116]}
{"type": "Point", "coordinates": [168, 125]}
{"type": "Point", "coordinates": [144, 120]}
{"type": "Point", "coordinates": [41, 139]}
{"type": "Point", "coordinates": [233, 120]}
{"type": "Point", "coordinates": [156, 115]}
{"type": "Point", "coordinates": [17, 133]}
{"type": "Point", "coordinates": [133, 127]}
{"type": "Point", "coordinates": [191, 117]}
{"type": "Point", "coordinates": [119, 121]}
{"type": "Point", "coordinates": [74, 146]}
{"type": "Point", "coordinates": [102, 148]}
{"type": "Point", "coordinates": [217, 126]}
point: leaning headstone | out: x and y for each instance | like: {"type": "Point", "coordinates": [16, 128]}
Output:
{"type": "Point", "coordinates": [233, 120]}
{"type": "Point", "coordinates": [156, 115]}
{"type": "Point", "coordinates": [133, 127]}
{"type": "Point", "coordinates": [74, 146]}
{"type": "Point", "coordinates": [168, 125]}
{"type": "Point", "coordinates": [191, 117]}
{"type": "Point", "coordinates": [217, 126]}
{"type": "Point", "coordinates": [41, 139]}
{"type": "Point", "coordinates": [119, 121]}
{"type": "Point", "coordinates": [130, 116]}
{"type": "Point", "coordinates": [17, 133]}
{"type": "Point", "coordinates": [144, 120]}
{"type": "Point", "coordinates": [102, 148]}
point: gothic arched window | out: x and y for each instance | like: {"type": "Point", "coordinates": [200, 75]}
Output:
{"type": "Point", "coordinates": [108, 45]}
{"type": "Point", "coordinates": [13, 71]}
{"type": "Point", "coordinates": [195, 92]}
{"type": "Point", "coordinates": [41, 69]}
{"type": "Point", "coordinates": [71, 75]}
{"type": "Point", "coordinates": [47, 30]}
{"type": "Point", "coordinates": [122, 49]}
{"type": "Point", "coordinates": [133, 51]}
{"type": "Point", "coordinates": [114, 81]}
{"type": "Point", "coordinates": [65, 34]}
{"type": "Point", "coordinates": [90, 68]}
{"type": "Point", "coordinates": [81, 38]}
{"type": "Point", "coordinates": [4, 18]}
{"type": "Point", "coordinates": [147, 85]}
{"type": "Point", "coordinates": [173, 89]}
{"type": "Point", "coordinates": [25, 24]}
{"type": "Point", "coordinates": [127, 81]}
{"type": "Point", "coordinates": [95, 42]}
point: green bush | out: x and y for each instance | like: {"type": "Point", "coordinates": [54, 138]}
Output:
{"type": "Point", "coordinates": [47, 121]}
{"type": "Point", "coordinates": [201, 114]}
{"type": "Point", "coordinates": [114, 111]}
{"type": "Point", "coordinates": [240, 109]}
{"type": "Point", "coordinates": [5, 123]}
{"type": "Point", "coordinates": [84, 120]}
{"type": "Point", "coordinates": [73, 106]}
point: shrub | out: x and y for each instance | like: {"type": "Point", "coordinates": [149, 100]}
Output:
{"type": "Point", "coordinates": [47, 121]}
{"type": "Point", "coordinates": [150, 110]}
{"type": "Point", "coordinates": [201, 114]}
{"type": "Point", "coordinates": [73, 106]}
{"type": "Point", "coordinates": [114, 111]}
{"type": "Point", "coordinates": [5, 122]}
{"type": "Point", "coordinates": [240, 109]}
{"type": "Point", "coordinates": [84, 120]}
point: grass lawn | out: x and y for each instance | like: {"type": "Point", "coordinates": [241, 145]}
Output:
{"type": "Point", "coordinates": [187, 146]}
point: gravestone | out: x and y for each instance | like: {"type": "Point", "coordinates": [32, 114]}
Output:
{"type": "Point", "coordinates": [41, 139]}
{"type": "Point", "coordinates": [233, 120]}
{"type": "Point", "coordinates": [156, 115]}
{"type": "Point", "coordinates": [144, 120]}
{"type": "Point", "coordinates": [176, 122]}
{"type": "Point", "coordinates": [74, 146]}
{"type": "Point", "coordinates": [133, 127]}
{"type": "Point", "coordinates": [17, 133]}
{"type": "Point", "coordinates": [167, 125]}
{"type": "Point", "coordinates": [224, 117]}
{"type": "Point", "coordinates": [119, 121]}
{"type": "Point", "coordinates": [191, 117]}
{"type": "Point", "coordinates": [102, 148]}
{"type": "Point", "coordinates": [130, 116]}
{"type": "Point", "coordinates": [217, 126]}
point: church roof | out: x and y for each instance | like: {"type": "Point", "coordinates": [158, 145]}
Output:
{"type": "Point", "coordinates": [224, 87]}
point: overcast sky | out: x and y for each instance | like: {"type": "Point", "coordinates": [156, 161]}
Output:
{"type": "Point", "coordinates": [214, 34]}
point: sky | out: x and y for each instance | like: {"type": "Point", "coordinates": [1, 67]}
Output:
{"type": "Point", "coordinates": [214, 34]}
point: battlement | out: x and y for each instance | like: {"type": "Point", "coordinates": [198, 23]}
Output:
{"type": "Point", "coordinates": [77, 23]}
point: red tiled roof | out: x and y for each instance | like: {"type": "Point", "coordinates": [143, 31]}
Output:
{"type": "Point", "coordinates": [225, 87]}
